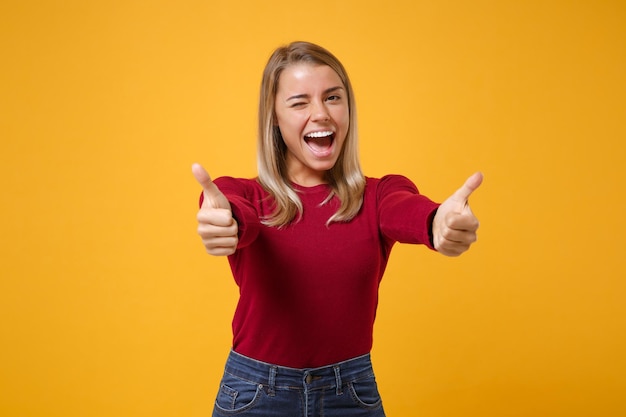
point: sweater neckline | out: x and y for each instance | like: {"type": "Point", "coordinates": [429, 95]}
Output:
{"type": "Point", "coordinates": [311, 190]}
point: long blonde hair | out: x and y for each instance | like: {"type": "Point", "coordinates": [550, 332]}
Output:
{"type": "Point", "coordinates": [345, 179]}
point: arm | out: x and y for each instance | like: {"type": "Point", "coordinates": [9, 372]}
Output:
{"type": "Point", "coordinates": [404, 215]}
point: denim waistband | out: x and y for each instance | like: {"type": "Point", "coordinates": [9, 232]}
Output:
{"type": "Point", "coordinates": [274, 376]}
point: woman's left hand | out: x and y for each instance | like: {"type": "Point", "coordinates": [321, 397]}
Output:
{"type": "Point", "coordinates": [454, 225]}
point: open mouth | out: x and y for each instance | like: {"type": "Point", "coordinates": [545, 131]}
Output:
{"type": "Point", "coordinates": [320, 143]}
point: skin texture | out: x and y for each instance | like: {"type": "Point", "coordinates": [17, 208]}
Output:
{"type": "Point", "coordinates": [311, 98]}
{"type": "Point", "coordinates": [454, 225]}
{"type": "Point", "coordinates": [216, 226]}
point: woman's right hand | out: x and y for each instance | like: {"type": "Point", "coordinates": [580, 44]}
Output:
{"type": "Point", "coordinates": [216, 225]}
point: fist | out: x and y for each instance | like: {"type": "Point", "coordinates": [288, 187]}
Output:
{"type": "Point", "coordinates": [454, 225]}
{"type": "Point", "coordinates": [216, 226]}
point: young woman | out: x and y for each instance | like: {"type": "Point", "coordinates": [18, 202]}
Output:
{"type": "Point", "coordinates": [308, 242]}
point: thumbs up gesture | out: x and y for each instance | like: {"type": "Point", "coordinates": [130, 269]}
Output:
{"type": "Point", "coordinates": [454, 225]}
{"type": "Point", "coordinates": [216, 225]}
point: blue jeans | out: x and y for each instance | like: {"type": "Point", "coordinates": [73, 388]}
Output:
{"type": "Point", "coordinates": [250, 388]}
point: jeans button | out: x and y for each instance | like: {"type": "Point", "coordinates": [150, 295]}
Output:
{"type": "Point", "coordinates": [308, 379]}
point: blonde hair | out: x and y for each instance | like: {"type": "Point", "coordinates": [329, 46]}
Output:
{"type": "Point", "coordinates": [345, 179]}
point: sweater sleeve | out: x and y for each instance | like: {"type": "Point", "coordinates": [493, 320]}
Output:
{"type": "Point", "coordinates": [240, 194]}
{"type": "Point", "coordinates": [404, 214]}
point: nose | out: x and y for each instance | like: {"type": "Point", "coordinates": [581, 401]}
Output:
{"type": "Point", "coordinates": [319, 113]}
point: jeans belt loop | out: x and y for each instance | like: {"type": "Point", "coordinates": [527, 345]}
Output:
{"type": "Point", "coordinates": [272, 381]}
{"type": "Point", "coordinates": [338, 379]}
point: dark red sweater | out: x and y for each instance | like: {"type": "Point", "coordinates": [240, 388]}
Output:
{"type": "Point", "coordinates": [309, 292]}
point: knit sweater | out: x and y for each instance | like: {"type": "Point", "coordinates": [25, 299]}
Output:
{"type": "Point", "coordinates": [309, 291]}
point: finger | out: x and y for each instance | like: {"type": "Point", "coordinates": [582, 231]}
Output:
{"type": "Point", "coordinates": [222, 242]}
{"type": "Point", "coordinates": [208, 231]}
{"type": "Point", "coordinates": [452, 249]}
{"type": "Point", "coordinates": [465, 221]}
{"type": "Point", "coordinates": [471, 184]}
{"type": "Point", "coordinates": [215, 216]}
{"type": "Point", "coordinates": [203, 178]}
{"type": "Point", "coordinates": [463, 237]}
{"type": "Point", "coordinates": [221, 250]}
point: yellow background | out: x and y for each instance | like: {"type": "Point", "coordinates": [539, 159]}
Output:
{"type": "Point", "coordinates": [109, 305]}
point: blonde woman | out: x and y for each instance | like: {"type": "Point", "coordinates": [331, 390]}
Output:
{"type": "Point", "coordinates": [308, 242]}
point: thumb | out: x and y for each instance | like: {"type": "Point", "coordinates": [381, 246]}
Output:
{"type": "Point", "coordinates": [212, 194]}
{"type": "Point", "coordinates": [471, 184]}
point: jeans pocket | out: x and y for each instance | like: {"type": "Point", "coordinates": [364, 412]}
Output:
{"type": "Point", "coordinates": [365, 392]}
{"type": "Point", "coordinates": [237, 395]}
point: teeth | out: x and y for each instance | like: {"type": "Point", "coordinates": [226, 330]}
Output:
{"type": "Point", "coordinates": [318, 134]}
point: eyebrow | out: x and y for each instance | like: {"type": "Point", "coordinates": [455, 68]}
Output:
{"type": "Point", "coordinates": [327, 91]}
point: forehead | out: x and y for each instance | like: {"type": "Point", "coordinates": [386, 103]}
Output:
{"type": "Point", "coordinates": [304, 76]}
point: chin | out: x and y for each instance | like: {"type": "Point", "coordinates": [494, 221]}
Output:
{"type": "Point", "coordinates": [323, 166]}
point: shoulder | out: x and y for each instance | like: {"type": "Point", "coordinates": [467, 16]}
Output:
{"type": "Point", "coordinates": [226, 180]}
{"type": "Point", "coordinates": [229, 185]}
{"type": "Point", "coordinates": [390, 184]}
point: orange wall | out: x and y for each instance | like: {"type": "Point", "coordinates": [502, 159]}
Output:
{"type": "Point", "coordinates": [109, 305]}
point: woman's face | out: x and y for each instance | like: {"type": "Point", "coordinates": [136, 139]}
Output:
{"type": "Point", "coordinates": [313, 116]}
